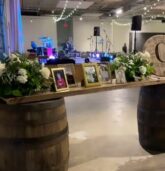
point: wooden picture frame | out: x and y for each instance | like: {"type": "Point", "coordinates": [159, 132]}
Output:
{"type": "Point", "coordinates": [70, 73]}
{"type": "Point", "coordinates": [120, 76]}
{"type": "Point", "coordinates": [105, 72]}
{"type": "Point", "coordinates": [60, 80]}
{"type": "Point", "coordinates": [91, 75]}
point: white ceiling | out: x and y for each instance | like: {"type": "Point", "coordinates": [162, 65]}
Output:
{"type": "Point", "coordinates": [73, 4]}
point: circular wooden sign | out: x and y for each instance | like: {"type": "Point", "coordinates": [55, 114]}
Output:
{"type": "Point", "coordinates": [160, 51]}
{"type": "Point", "coordinates": [156, 47]}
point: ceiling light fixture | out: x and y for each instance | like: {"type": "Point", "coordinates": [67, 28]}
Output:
{"type": "Point", "coordinates": [119, 11]}
{"type": "Point", "coordinates": [64, 10]}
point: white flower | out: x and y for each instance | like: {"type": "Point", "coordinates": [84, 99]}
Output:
{"type": "Point", "coordinates": [22, 72]}
{"type": "Point", "coordinates": [2, 68]}
{"type": "Point", "coordinates": [45, 72]}
{"type": "Point", "coordinates": [143, 70]}
{"type": "Point", "coordinates": [14, 58]}
{"type": "Point", "coordinates": [123, 68]}
{"type": "Point", "coordinates": [117, 60]}
{"type": "Point", "coordinates": [22, 79]}
{"type": "Point", "coordinates": [146, 56]}
{"type": "Point", "coordinates": [140, 54]}
{"type": "Point", "coordinates": [131, 62]}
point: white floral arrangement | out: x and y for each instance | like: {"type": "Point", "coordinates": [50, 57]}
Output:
{"type": "Point", "coordinates": [136, 66]}
{"type": "Point", "coordinates": [20, 76]}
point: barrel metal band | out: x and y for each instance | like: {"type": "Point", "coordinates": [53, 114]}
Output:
{"type": "Point", "coordinates": [55, 138]}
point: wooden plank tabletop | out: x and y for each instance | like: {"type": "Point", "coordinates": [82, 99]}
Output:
{"type": "Point", "coordinates": [81, 90]}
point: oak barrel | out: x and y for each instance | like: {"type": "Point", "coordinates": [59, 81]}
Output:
{"type": "Point", "coordinates": [34, 137]}
{"type": "Point", "coordinates": [151, 117]}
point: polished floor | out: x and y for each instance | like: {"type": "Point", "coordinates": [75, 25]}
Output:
{"type": "Point", "coordinates": [103, 134]}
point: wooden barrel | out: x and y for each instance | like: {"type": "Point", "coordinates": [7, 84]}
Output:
{"type": "Point", "coordinates": [34, 137]}
{"type": "Point", "coordinates": [151, 117]}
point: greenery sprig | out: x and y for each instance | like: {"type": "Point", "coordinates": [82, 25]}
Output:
{"type": "Point", "coordinates": [20, 76]}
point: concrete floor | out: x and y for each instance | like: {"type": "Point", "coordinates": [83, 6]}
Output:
{"type": "Point", "coordinates": [103, 134]}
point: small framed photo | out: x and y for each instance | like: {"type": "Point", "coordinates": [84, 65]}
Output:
{"type": "Point", "coordinates": [105, 72]}
{"type": "Point", "coordinates": [60, 80]}
{"type": "Point", "coordinates": [70, 73]}
{"type": "Point", "coordinates": [120, 76]}
{"type": "Point", "coordinates": [91, 74]}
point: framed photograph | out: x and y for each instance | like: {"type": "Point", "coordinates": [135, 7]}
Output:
{"type": "Point", "coordinates": [120, 76]}
{"type": "Point", "coordinates": [105, 72]}
{"type": "Point", "coordinates": [91, 75]}
{"type": "Point", "coordinates": [70, 73]}
{"type": "Point", "coordinates": [60, 80]}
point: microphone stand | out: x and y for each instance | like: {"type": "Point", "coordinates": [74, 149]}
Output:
{"type": "Point", "coordinates": [108, 42]}
{"type": "Point", "coordinates": [135, 43]}
{"type": "Point", "coordinates": [96, 44]}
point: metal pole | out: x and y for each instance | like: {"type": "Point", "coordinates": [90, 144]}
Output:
{"type": "Point", "coordinates": [135, 43]}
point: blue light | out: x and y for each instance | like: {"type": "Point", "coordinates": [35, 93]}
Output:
{"type": "Point", "coordinates": [97, 55]}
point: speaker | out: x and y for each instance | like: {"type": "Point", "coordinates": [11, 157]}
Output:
{"type": "Point", "coordinates": [96, 31]}
{"type": "Point", "coordinates": [136, 22]}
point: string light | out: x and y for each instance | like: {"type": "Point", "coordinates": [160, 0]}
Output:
{"type": "Point", "coordinates": [120, 24]}
{"type": "Point", "coordinates": [145, 8]}
{"type": "Point", "coordinates": [64, 10]}
{"type": "Point", "coordinates": [151, 7]}
{"type": "Point", "coordinates": [72, 12]}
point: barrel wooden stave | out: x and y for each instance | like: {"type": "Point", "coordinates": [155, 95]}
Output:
{"type": "Point", "coordinates": [151, 117]}
{"type": "Point", "coordinates": [34, 137]}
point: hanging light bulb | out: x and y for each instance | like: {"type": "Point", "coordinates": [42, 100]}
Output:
{"type": "Point", "coordinates": [145, 8]}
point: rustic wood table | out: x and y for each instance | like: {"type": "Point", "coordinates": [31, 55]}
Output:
{"type": "Point", "coordinates": [34, 129]}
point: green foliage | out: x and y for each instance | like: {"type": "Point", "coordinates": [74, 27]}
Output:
{"type": "Point", "coordinates": [135, 65]}
{"type": "Point", "coordinates": [21, 77]}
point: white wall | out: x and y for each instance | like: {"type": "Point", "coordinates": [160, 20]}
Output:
{"type": "Point", "coordinates": [117, 32]}
{"type": "Point", "coordinates": [120, 35]}
{"type": "Point", "coordinates": [82, 30]}
{"type": "Point", "coordinates": [40, 26]}
{"type": "Point", "coordinates": [154, 26]}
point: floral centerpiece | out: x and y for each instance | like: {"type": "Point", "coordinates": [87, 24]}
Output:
{"type": "Point", "coordinates": [136, 66]}
{"type": "Point", "coordinates": [20, 76]}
